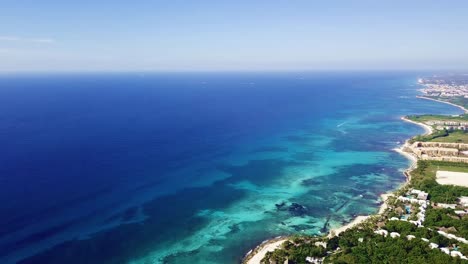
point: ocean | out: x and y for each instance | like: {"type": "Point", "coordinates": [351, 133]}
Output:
{"type": "Point", "coordinates": [193, 167]}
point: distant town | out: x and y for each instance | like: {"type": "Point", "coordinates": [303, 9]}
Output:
{"type": "Point", "coordinates": [445, 86]}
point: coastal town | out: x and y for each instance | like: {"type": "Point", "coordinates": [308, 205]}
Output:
{"type": "Point", "coordinates": [445, 86]}
{"type": "Point", "coordinates": [425, 221]}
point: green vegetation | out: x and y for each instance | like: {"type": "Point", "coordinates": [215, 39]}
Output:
{"type": "Point", "coordinates": [423, 178]}
{"type": "Point", "coordinates": [378, 249]}
{"type": "Point", "coordinates": [362, 245]}
{"type": "Point", "coordinates": [457, 136]}
{"type": "Point", "coordinates": [296, 251]}
{"type": "Point", "coordinates": [398, 250]}
{"type": "Point", "coordinates": [436, 136]}
{"type": "Point", "coordinates": [448, 219]}
{"type": "Point", "coordinates": [458, 100]}
{"type": "Point", "coordinates": [425, 118]}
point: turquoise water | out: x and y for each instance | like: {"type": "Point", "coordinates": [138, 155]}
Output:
{"type": "Point", "coordinates": [199, 168]}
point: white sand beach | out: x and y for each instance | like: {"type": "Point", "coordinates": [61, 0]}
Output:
{"type": "Point", "coordinates": [384, 205]}
{"type": "Point", "coordinates": [409, 156]}
{"type": "Point", "coordinates": [428, 129]}
{"type": "Point", "coordinates": [264, 248]}
{"type": "Point", "coordinates": [359, 219]}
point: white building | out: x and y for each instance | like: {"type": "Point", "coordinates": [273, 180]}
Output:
{"type": "Point", "coordinates": [451, 206]}
{"type": "Point", "coordinates": [381, 232]}
{"type": "Point", "coordinates": [456, 254]}
{"type": "Point", "coordinates": [314, 260]}
{"type": "Point", "coordinates": [461, 212]}
{"type": "Point", "coordinates": [445, 250]}
{"type": "Point", "coordinates": [321, 244]}
{"type": "Point", "coordinates": [463, 201]}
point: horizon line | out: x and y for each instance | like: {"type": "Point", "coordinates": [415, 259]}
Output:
{"type": "Point", "coordinates": [81, 71]}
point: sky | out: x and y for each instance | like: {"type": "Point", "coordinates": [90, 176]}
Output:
{"type": "Point", "coordinates": [246, 35]}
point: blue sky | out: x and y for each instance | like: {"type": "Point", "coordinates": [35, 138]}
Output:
{"type": "Point", "coordinates": [175, 35]}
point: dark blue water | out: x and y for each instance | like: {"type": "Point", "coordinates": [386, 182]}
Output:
{"type": "Point", "coordinates": [114, 168]}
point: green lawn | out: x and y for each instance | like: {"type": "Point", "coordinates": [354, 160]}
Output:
{"type": "Point", "coordinates": [458, 101]}
{"type": "Point", "coordinates": [455, 137]}
{"type": "Point", "coordinates": [423, 178]}
{"type": "Point", "coordinates": [432, 137]}
{"type": "Point", "coordinates": [425, 118]}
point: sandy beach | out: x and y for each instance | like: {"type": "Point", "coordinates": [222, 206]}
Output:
{"type": "Point", "coordinates": [359, 219]}
{"type": "Point", "coordinates": [412, 158]}
{"type": "Point", "coordinates": [271, 245]}
{"type": "Point", "coordinates": [432, 99]}
{"type": "Point", "coordinates": [428, 129]}
{"type": "Point", "coordinates": [384, 205]}
{"type": "Point", "coordinates": [265, 247]}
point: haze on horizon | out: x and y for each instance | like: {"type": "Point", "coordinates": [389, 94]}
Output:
{"type": "Point", "coordinates": [176, 35]}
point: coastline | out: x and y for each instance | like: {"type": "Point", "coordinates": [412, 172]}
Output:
{"type": "Point", "coordinates": [356, 221]}
{"type": "Point", "coordinates": [445, 102]}
{"type": "Point", "coordinates": [270, 245]}
{"type": "Point", "coordinates": [254, 256]}
{"type": "Point", "coordinates": [413, 165]}
{"type": "Point", "coordinates": [428, 130]}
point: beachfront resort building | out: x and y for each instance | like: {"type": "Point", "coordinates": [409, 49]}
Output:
{"type": "Point", "coordinates": [448, 125]}
{"type": "Point", "coordinates": [453, 152]}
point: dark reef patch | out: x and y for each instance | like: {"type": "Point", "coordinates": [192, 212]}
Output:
{"type": "Point", "coordinates": [138, 239]}
{"type": "Point", "coordinates": [296, 209]}
{"type": "Point", "coordinates": [259, 172]}
{"type": "Point", "coordinates": [312, 182]}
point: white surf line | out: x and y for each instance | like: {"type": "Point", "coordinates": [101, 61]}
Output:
{"type": "Point", "coordinates": [342, 124]}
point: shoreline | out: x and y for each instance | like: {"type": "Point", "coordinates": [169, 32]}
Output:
{"type": "Point", "coordinates": [427, 129]}
{"type": "Point", "coordinates": [411, 158]}
{"type": "Point", "coordinates": [270, 245]}
{"type": "Point", "coordinates": [260, 250]}
{"type": "Point", "coordinates": [445, 102]}
{"type": "Point", "coordinates": [356, 221]}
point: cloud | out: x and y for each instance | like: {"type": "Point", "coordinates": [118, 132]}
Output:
{"type": "Point", "coordinates": [30, 40]}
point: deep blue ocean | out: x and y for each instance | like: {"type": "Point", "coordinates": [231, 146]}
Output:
{"type": "Point", "coordinates": [193, 167]}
